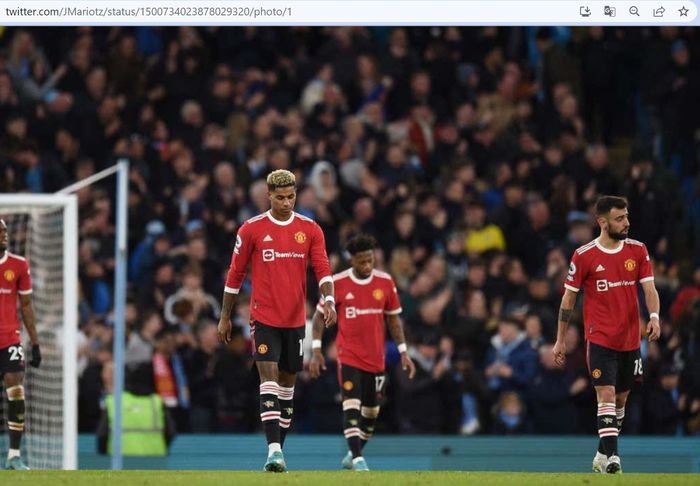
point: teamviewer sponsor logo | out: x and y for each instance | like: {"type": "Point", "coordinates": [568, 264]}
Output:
{"type": "Point", "coordinates": [353, 312]}
{"type": "Point", "coordinates": [604, 285]}
{"type": "Point", "coordinates": [270, 255]}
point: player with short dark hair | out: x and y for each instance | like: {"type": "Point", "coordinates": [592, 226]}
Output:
{"type": "Point", "coordinates": [15, 280]}
{"type": "Point", "coordinates": [364, 296]}
{"type": "Point", "coordinates": [278, 245]}
{"type": "Point", "coordinates": [608, 270]}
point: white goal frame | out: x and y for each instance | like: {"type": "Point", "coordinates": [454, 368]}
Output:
{"type": "Point", "coordinates": [69, 340]}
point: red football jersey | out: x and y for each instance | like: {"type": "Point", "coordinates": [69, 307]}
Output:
{"type": "Point", "coordinates": [361, 306]}
{"type": "Point", "coordinates": [14, 279]}
{"type": "Point", "coordinates": [609, 280]}
{"type": "Point", "coordinates": [278, 253]}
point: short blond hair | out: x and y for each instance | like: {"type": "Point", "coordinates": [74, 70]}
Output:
{"type": "Point", "coordinates": [280, 178]}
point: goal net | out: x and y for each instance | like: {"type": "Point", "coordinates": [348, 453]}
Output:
{"type": "Point", "coordinates": [43, 229]}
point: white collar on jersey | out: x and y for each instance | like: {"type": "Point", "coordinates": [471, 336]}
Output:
{"type": "Point", "coordinates": [361, 281]}
{"type": "Point", "coordinates": [277, 221]}
{"type": "Point", "coordinates": [4, 257]}
{"type": "Point", "coordinates": [607, 250]}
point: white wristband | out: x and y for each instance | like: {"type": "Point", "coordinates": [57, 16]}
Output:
{"type": "Point", "coordinates": [316, 344]}
{"type": "Point", "coordinates": [329, 298]}
{"type": "Point", "coordinates": [402, 347]}
{"type": "Point", "coordinates": [653, 314]}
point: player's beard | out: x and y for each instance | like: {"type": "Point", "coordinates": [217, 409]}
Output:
{"type": "Point", "coordinates": [619, 236]}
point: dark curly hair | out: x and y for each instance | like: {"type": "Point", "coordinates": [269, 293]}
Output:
{"type": "Point", "coordinates": [360, 243]}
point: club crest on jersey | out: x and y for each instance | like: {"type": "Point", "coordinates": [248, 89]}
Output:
{"type": "Point", "coordinates": [378, 294]}
{"type": "Point", "coordinates": [347, 386]}
{"type": "Point", "coordinates": [596, 373]}
{"type": "Point", "coordinates": [630, 265]}
{"type": "Point", "coordinates": [9, 275]}
{"type": "Point", "coordinates": [262, 349]}
{"type": "Point", "coordinates": [300, 237]}
{"type": "Point", "coordinates": [268, 255]}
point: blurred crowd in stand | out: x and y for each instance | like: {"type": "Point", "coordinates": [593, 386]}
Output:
{"type": "Point", "coordinates": [474, 155]}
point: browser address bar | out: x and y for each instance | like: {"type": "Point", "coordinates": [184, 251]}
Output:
{"type": "Point", "coordinates": [345, 12]}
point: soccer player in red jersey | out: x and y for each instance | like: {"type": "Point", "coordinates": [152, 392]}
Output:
{"type": "Point", "coordinates": [364, 297]}
{"type": "Point", "coordinates": [15, 280]}
{"type": "Point", "coordinates": [608, 270]}
{"type": "Point", "coordinates": [278, 245]}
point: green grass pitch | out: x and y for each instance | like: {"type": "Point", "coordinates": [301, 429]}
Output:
{"type": "Point", "coordinates": [324, 478]}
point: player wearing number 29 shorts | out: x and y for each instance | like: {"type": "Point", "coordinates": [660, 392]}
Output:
{"type": "Point", "coordinates": [15, 283]}
{"type": "Point", "coordinates": [609, 270]}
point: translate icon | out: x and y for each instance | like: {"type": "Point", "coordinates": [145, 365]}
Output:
{"type": "Point", "coordinates": [609, 11]}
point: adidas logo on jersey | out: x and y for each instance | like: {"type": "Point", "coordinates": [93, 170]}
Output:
{"type": "Point", "coordinates": [349, 296]}
{"type": "Point", "coordinates": [600, 268]}
{"type": "Point", "coordinates": [267, 238]}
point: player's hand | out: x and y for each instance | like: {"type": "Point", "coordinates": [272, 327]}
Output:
{"type": "Point", "coordinates": [330, 316]}
{"type": "Point", "coordinates": [559, 351]}
{"type": "Point", "coordinates": [36, 356]}
{"type": "Point", "coordinates": [317, 363]}
{"type": "Point", "coordinates": [653, 329]}
{"type": "Point", "coordinates": [224, 330]}
{"type": "Point", "coordinates": [407, 365]}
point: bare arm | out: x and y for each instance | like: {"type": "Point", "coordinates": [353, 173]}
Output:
{"type": "Point", "coordinates": [224, 328]}
{"type": "Point", "coordinates": [396, 330]}
{"type": "Point", "coordinates": [651, 296]}
{"type": "Point", "coordinates": [318, 362]}
{"type": "Point", "coordinates": [28, 318]}
{"type": "Point", "coordinates": [568, 301]}
{"type": "Point", "coordinates": [318, 326]}
{"type": "Point", "coordinates": [227, 304]}
{"type": "Point", "coordinates": [328, 295]}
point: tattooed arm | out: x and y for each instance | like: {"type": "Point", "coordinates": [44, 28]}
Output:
{"type": "Point", "coordinates": [566, 308]}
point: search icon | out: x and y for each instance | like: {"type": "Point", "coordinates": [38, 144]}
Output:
{"type": "Point", "coordinates": [634, 11]}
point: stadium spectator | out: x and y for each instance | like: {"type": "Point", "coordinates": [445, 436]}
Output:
{"type": "Point", "coordinates": [148, 428]}
{"type": "Point", "coordinates": [427, 402]}
{"type": "Point", "coordinates": [510, 362]}
{"type": "Point", "coordinates": [548, 398]}
{"type": "Point", "coordinates": [666, 403]}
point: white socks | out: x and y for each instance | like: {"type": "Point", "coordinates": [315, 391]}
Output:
{"type": "Point", "coordinates": [273, 447]}
{"type": "Point", "coordinates": [12, 453]}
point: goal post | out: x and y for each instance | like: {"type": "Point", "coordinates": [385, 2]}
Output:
{"type": "Point", "coordinates": [44, 229]}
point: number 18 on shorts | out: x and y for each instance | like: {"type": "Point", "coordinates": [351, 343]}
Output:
{"type": "Point", "coordinates": [620, 369]}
